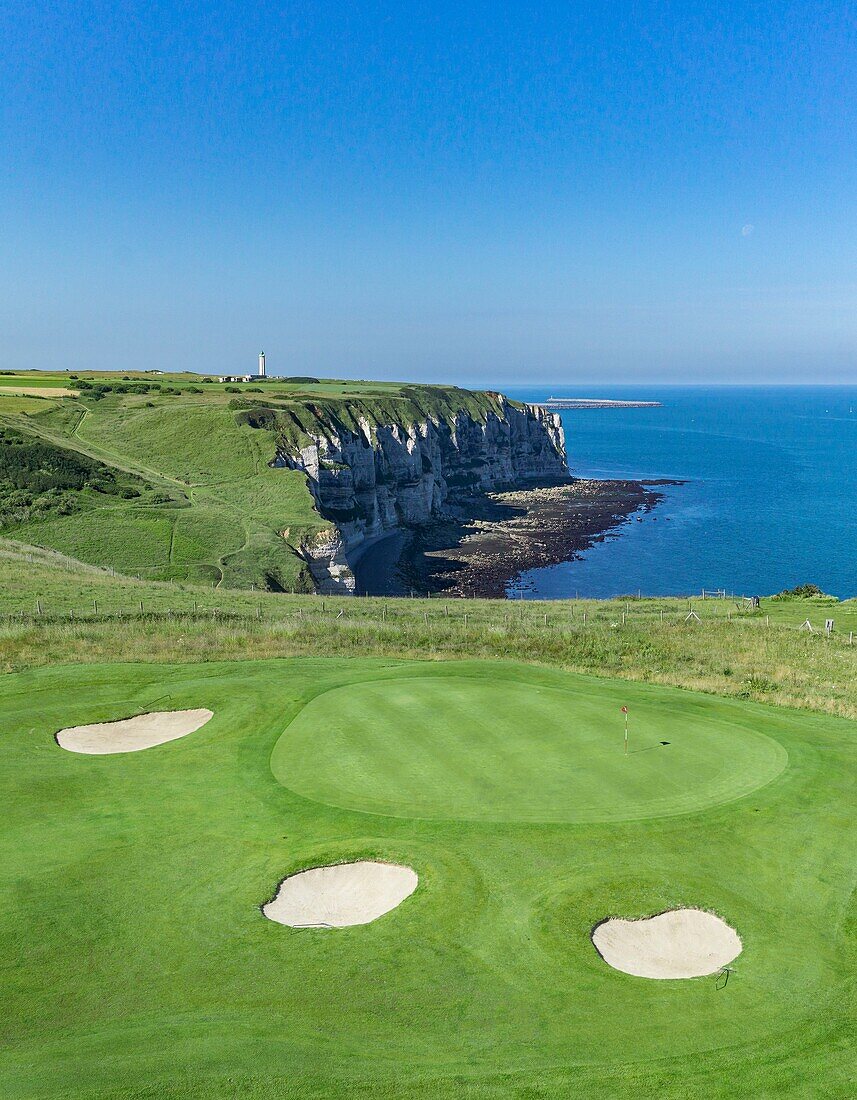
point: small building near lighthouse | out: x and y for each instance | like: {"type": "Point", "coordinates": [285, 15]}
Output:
{"type": "Point", "coordinates": [259, 377]}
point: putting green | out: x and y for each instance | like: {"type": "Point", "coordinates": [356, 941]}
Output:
{"type": "Point", "coordinates": [460, 748]}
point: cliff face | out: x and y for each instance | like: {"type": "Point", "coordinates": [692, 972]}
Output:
{"type": "Point", "coordinates": [381, 477]}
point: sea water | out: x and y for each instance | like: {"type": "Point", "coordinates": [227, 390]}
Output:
{"type": "Point", "coordinates": [769, 499]}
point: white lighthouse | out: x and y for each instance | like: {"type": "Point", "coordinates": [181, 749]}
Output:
{"type": "Point", "coordinates": [261, 364]}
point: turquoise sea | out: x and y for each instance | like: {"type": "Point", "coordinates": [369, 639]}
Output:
{"type": "Point", "coordinates": [769, 500]}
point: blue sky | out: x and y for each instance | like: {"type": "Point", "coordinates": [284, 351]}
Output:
{"type": "Point", "coordinates": [471, 192]}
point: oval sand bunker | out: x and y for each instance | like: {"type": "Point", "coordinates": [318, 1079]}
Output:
{"type": "Point", "coordinates": [132, 734]}
{"type": "Point", "coordinates": [341, 895]}
{"type": "Point", "coordinates": [683, 943]}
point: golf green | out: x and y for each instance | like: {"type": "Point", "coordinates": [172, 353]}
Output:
{"type": "Point", "coordinates": [137, 963]}
{"type": "Point", "coordinates": [461, 748]}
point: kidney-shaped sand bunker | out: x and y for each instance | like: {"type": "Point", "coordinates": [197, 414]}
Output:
{"type": "Point", "coordinates": [341, 895]}
{"type": "Point", "coordinates": [132, 734]}
{"type": "Point", "coordinates": [682, 943]}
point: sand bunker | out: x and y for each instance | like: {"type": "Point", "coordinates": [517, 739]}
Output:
{"type": "Point", "coordinates": [341, 895]}
{"type": "Point", "coordinates": [683, 943]}
{"type": "Point", "coordinates": [132, 734]}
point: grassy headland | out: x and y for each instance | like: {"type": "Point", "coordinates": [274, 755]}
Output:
{"type": "Point", "coordinates": [202, 503]}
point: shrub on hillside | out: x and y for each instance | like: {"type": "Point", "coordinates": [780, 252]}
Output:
{"type": "Point", "coordinates": [260, 417]}
{"type": "Point", "coordinates": [37, 477]}
{"type": "Point", "coordinates": [803, 591]}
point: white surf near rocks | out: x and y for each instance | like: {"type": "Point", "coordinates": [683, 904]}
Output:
{"type": "Point", "coordinates": [682, 943]}
{"type": "Point", "coordinates": [341, 895]}
{"type": "Point", "coordinates": [132, 734]}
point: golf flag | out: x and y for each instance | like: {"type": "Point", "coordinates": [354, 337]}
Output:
{"type": "Point", "coordinates": [624, 710]}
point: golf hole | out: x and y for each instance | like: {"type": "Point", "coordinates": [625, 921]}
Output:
{"type": "Point", "coordinates": [681, 943]}
{"type": "Point", "coordinates": [144, 731]}
{"type": "Point", "coordinates": [341, 895]}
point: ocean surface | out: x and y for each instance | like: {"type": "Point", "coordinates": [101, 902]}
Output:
{"type": "Point", "coordinates": [769, 500]}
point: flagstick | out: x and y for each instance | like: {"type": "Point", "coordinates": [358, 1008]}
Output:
{"type": "Point", "coordinates": [626, 734]}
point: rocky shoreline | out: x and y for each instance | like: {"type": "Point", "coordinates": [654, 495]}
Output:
{"type": "Point", "coordinates": [373, 475]}
{"type": "Point", "coordinates": [486, 541]}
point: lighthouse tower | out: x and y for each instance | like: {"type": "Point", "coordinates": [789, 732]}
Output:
{"type": "Point", "coordinates": [261, 364]}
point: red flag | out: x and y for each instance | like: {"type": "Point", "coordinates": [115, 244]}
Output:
{"type": "Point", "coordinates": [624, 710]}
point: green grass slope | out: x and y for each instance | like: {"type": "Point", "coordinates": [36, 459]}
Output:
{"type": "Point", "coordinates": [137, 962]}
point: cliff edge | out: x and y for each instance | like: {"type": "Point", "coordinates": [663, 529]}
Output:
{"type": "Point", "coordinates": [377, 467]}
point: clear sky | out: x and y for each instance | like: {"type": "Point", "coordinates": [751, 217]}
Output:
{"type": "Point", "coordinates": [485, 193]}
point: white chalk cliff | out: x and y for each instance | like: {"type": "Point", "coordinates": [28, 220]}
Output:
{"type": "Point", "coordinates": [384, 477]}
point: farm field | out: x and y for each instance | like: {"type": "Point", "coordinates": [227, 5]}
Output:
{"type": "Point", "coordinates": [143, 965]}
{"type": "Point", "coordinates": [14, 404]}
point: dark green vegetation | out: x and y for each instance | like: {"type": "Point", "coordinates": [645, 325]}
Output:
{"type": "Point", "coordinates": [38, 479]}
{"type": "Point", "coordinates": [197, 454]}
{"type": "Point", "coordinates": [138, 964]}
{"type": "Point", "coordinates": [296, 421]}
{"type": "Point", "coordinates": [803, 592]}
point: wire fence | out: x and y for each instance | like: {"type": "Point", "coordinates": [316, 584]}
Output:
{"type": "Point", "coordinates": [448, 614]}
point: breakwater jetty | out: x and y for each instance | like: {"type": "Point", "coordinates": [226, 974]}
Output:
{"type": "Point", "coordinates": [554, 403]}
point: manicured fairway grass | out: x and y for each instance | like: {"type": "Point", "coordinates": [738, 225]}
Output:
{"type": "Point", "coordinates": [137, 963]}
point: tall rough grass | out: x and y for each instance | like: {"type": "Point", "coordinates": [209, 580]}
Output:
{"type": "Point", "coordinates": [743, 658]}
